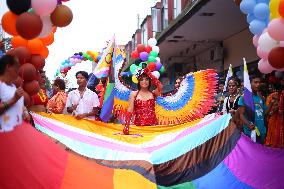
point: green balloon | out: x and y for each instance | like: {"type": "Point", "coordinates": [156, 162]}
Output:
{"type": "Point", "coordinates": [153, 53]}
{"type": "Point", "coordinates": [162, 70]}
{"type": "Point", "coordinates": [133, 68]}
{"type": "Point", "coordinates": [31, 10]}
{"type": "Point", "coordinates": [151, 59]}
{"type": "Point", "coordinates": [142, 65]}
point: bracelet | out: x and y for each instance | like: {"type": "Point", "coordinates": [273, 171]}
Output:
{"type": "Point", "coordinates": [6, 105]}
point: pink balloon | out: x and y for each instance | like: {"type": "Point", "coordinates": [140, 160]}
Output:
{"type": "Point", "coordinates": [276, 28]}
{"type": "Point", "coordinates": [262, 54]}
{"type": "Point", "coordinates": [47, 27]}
{"type": "Point", "coordinates": [44, 7]}
{"type": "Point", "coordinates": [281, 43]}
{"type": "Point", "coordinates": [255, 40]}
{"type": "Point", "coordinates": [265, 67]}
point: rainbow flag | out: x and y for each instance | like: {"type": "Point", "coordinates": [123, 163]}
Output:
{"type": "Point", "coordinates": [207, 153]}
{"type": "Point", "coordinates": [106, 112]}
{"type": "Point", "coordinates": [103, 67]}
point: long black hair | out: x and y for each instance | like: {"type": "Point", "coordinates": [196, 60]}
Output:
{"type": "Point", "coordinates": [6, 60]}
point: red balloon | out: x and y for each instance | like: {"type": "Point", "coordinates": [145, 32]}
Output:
{"type": "Point", "coordinates": [32, 87]}
{"type": "Point", "coordinates": [18, 82]}
{"type": "Point", "coordinates": [140, 48]}
{"type": "Point", "coordinates": [22, 53]}
{"type": "Point", "coordinates": [152, 66]}
{"type": "Point", "coordinates": [276, 57]}
{"type": "Point", "coordinates": [134, 54]}
{"type": "Point", "coordinates": [38, 61]}
{"type": "Point", "coordinates": [27, 72]}
{"type": "Point", "coordinates": [148, 49]}
{"type": "Point", "coordinates": [29, 25]}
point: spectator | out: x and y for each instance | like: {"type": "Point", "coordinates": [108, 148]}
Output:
{"type": "Point", "coordinates": [219, 98]}
{"type": "Point", "coordinates": [40, 99]}
{"type": "Point", "coordinates": [230, 104]}
{"type": "Point", "coordinates": [82, 102]}
{"type": "Point", "coordinates": [260, 110]}
{"type": "Point", "coordinates": [12, 110]}
{"type": "Point", "coordinates": [57, 103]}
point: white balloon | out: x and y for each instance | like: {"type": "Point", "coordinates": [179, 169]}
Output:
{"type": "Point", "coordinates": [156, 74]}
{"type": "Point", "coordinates": [264, 66]}
{"type": "Point", "coordinates": [152, 42]}
{"type": "Point", "coordinates": [158, 59]}
{"type": "Point", "coordinates": [266, 43]}
{"type": "Point", "coordinates": [47, 26]}
{"type": "Point", "coordinates": [156, 49]}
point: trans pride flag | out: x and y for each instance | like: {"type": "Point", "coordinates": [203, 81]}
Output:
{"type": "Point", "coordinates": [248, 97]}
{"type": "Point", "coordinates": [229, 74]}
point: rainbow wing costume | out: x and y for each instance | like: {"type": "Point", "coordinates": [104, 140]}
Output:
{"type": "Point", "coordinates": [193, 99]}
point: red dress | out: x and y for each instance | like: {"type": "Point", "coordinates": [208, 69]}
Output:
{"type": "Point", "coordinates": [144, 112]}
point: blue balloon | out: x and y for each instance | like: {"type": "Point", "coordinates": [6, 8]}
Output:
{"type": "Point", "coordinates": [263, 1]}
{"type": "Point", "coordinates": [247, 6]}
{"type": "Point", "coordinates": [99, 57]}
{"type": "Point", "coordinates": [261, 11]}
{"type": "Point", "coordinates": [257, 26]}
{"type": "Point", "coordinates": [250, 18]}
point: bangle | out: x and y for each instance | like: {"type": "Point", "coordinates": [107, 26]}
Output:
{"type": "Point", "coordinates": [6, 105]}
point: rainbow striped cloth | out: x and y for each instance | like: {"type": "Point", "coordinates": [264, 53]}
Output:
{"type": "Point", "coordinates": [206, 153]}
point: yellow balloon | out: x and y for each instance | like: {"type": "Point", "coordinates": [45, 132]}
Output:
{"type": "Point", "coordinates": [134, 79]}
{"type": "Point", "coordinates": [273, 6]}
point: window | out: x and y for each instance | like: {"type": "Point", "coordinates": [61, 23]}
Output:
{"type": "Point", "coordinates": [133, 44]}
{"type": "Point", "coordinates": [144, 34]}
{"type": "Point", "coordinates": [156, 20]}
{"type": "Point", "coordinates": [165, 22]}
{"type": "Point", "coordinates": [177, 7]}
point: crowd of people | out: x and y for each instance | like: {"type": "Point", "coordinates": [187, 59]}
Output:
{"type": "Point", "coordinates": [266, 125]}
{"type": "Point", "coordinates": [267, 122]}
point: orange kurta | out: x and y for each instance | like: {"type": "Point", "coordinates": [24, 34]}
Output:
{"type": "Point", "coordinates": [275, 133]}
{"type": "Point", "coordinates": [57, 103]}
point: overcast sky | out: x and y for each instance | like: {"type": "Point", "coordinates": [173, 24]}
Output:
{"type": "Point", "coordinates": [94, 23]}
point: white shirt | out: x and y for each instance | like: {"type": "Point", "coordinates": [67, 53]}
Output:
{"type": "Point", "coordinates": [86, 104]}
{"type": "Point", "coordinates": [13, 116]}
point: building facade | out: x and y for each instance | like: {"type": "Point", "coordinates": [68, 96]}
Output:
{"type": "Point", "coordinates": [199, 34]}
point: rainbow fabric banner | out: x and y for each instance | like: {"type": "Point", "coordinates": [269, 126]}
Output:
{"type": "Point", "coordinates": [206, 153]}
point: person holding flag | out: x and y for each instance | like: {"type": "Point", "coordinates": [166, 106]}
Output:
{"type": "Point", "coordinates": [252, 108]}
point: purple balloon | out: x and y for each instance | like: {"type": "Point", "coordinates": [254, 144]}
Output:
{"type": "Point", "coordinates": [158, 65]}
{"type": "Point", "coordinates": [144, 56]}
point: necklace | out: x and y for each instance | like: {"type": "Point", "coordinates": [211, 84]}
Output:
{"type": "Point", "coordinates": [229, 101]}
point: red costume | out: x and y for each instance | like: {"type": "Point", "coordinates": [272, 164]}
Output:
{"type": "Point", "coordinates": [40, 98]}
{"type": "Point", "coordinates": [144, 112]}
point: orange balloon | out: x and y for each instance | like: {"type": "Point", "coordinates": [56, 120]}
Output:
{"type": "Point", "coordinates": [44, 52]}
{"type": "Point", "coordinates": [18, 41]}
{"type": "Point", "coordinates": [35, 46]}
{"type": "Point", "coordinates": [9, 23]}
{"type": "Point", "coordinates": [48, 40]}
{"type": "Point", "coordinates": [281, 8]}
{"type": "Point", "coordinates": [54, 28]}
